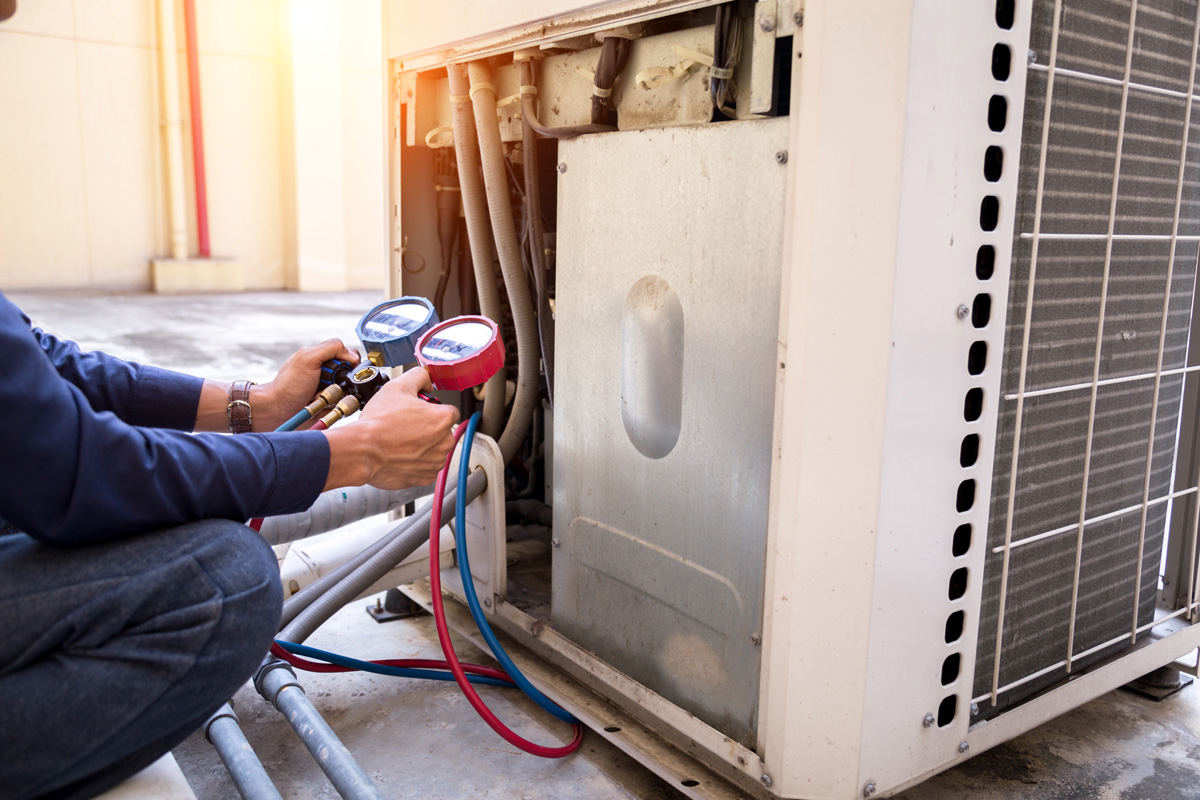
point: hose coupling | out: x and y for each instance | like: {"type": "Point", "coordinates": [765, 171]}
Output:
{"type": "Point", "coordinates": [224, 711]}
{"type": "Point", "coordinates": [328, 396]}
{"type": "Point", "coordinates": [345, 407]}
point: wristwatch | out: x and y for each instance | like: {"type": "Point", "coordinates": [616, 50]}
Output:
{"type": "Point", "coordinates": [238, 411]}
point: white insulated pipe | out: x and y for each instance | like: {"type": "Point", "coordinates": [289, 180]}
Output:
{"type": "Point", "coordinates": [172, 124]}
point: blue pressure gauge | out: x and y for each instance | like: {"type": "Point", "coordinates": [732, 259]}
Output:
{"type": "Point", "coordinates": [389, 331]}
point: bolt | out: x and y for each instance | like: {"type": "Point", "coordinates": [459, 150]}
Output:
{"type": "Point", "coordinates": [561, 168]}
{"type": "Point", "coordinates": [487, 602]}
{"type": "Point", "coordinates": [964, 311]}
{"type": "Point", "coordinates": [869, 790]}
{"type": "Point", "coordinates": [555, 543]}
{"type": "Point", "coordinates": [928, 721]}
{"type": "Point", "coordinates": [378, 604]}
{"type": "Point", "coordinates": [963, 747]}
{"type": "Point", "coordinates": [755, 639]}
{"type": "Point", "coordinates": [974, 709]}
{"type": "Point", "coordinates": [766, 780]}
{"type": "Point", "coordinates": [781, 157]}
{"type": "Point", "coordinates": [767, 24]}
{"type": "Point", "coordinates": [798, 18]}
{"type": "Point", "coordinates": [1032, 56]}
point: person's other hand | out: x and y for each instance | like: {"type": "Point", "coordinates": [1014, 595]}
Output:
{"type": "Point", "coordinates": [399, 440]}
{"type": "Point", "coordinates": [295, 385]}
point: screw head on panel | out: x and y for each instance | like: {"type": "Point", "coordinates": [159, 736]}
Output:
{"type": "Point", "coordinates": [869, 790]}
{"type": "Point", "coordinates": [963, 747]}
{"type": "Point", "coordinates": [755, 639]}
{"type": "Point", "coordinates": [781, 157]}
{"type": "Point", "coordinates": [561, 168]}
{"type": "Point", "coordinates": [767, 24]}
{"type": "Point", "coordinates": [798, 18]}
{"type": "Point", "coordinates": [963, 311]}
{"type": "Point", "coordinates": [766, 780]}
{"type": "Point", "coordinates": [928, 721]}
{"type": "Point", "coordinates": [555, 543]}
{"type": "Point", "coordinates": [1032, 56]}
{"type": "Point", "coordinates": [487, 602]}
{"type": "Point", "coordinates": [974, 709]}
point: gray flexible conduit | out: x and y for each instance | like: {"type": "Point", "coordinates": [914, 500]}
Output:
{"type": "Point", "coordinates": [495, 179]}
{"type": "Point", "coordinates": [335, 509]}
{"type": "Point", "coordinates": [251, 780]}
{"type": "Point", "coordinates": [479, 234]}
{"type": "Point", "coordinates": [277, 684]}
{"type": "Point", "coordinates": [399, 545]}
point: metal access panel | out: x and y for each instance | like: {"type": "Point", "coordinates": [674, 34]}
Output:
{"type": "Point", "coordinates": [667, 316]}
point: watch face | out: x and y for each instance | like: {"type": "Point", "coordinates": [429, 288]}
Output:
{"type": "Point", "coordinates": [456, 342]}
{"type": "Point", "coordinates": [394, 322]}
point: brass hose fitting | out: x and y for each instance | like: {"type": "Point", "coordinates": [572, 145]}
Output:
{"type": "Point", "coordinates": [330, 395]}
{"type": "Point", "coordinates": [345, 407]}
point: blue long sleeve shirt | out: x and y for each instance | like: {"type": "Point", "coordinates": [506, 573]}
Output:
{"type": "Point", "coordinates": [96, 448]}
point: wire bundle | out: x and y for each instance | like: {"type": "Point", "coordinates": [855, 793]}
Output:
{"type": "Point", "coordinates": [727, 52]}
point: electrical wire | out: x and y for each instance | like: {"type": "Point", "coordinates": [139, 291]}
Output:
{"type": "Point", "coordinates": [727, 52]}
{"type": "Point", "coordinates": [439, 618]}
{"type": "Point", "coordinates": [422, 668]}
{"type": "Point", "coordinates": [464, 569]}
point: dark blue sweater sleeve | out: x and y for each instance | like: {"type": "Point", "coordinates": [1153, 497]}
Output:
{"type": "Point", "coordinates": [138, 394]}
{"type": "Point", "coordinates": [75, 475]}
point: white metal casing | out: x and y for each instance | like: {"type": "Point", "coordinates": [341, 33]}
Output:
{"type": "Point", "coordinates": [887, 134]}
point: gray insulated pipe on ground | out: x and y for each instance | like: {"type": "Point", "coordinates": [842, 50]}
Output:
{"type": "Point", "coordinates": [479, 234]}
{"type": "Point", "coordinates": [251, 780]}
{"type": "Point", "coordinates": [495, 179]}
{"type": "Point", "coordinates": [336, 509]}
{"type": "Point", "coordinates": [278, 685]}
{"type": "Point", "coordinates": [350, 580]}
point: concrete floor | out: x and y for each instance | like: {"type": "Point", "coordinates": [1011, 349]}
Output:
{"type": "Point", "coordinates": [423, 740]}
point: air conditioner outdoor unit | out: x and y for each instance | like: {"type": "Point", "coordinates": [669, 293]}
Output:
{"type": "Point", "coordinates": [873, 424]}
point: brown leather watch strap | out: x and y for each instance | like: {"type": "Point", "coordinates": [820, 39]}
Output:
{"type": "Point", "coordinates": [238, 411]}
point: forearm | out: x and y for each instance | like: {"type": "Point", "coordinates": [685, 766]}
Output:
{"type": "Point", "coordinates": [266, 415]}
{"type": "Point", "coordinates": [350, 456]}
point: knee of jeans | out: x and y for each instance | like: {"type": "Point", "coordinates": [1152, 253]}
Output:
{"type": "Point", "coordinates": [249, 579]}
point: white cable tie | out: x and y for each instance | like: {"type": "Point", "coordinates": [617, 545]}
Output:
{"type": "Point", "coordinates": [694, 55]}
{"type": "Point", "coordinates": [512, 98]}
{"type": "Point", "coordinates": [482, 86]}
{"type": "Point", "coordinates": [528, 89]}
{"type": "Point", "coordinates": [460, 98]}
{"type": "Point", "coordinates": [601, 93]}
{"type": "Point", "coordinates": [440, 137]}
{"type": "Point", "coordinates": [721, 73]}
{"type": "Point", "coordinates": [584, 72]}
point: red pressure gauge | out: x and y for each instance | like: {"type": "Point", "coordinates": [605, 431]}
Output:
{"type": "Point", "coordinates": [461, 352]}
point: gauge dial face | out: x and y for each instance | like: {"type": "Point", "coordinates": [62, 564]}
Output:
{"type": "Point", "coordinates": [394, 322]}
{"type": "Point", "coordinates": [456, 342]}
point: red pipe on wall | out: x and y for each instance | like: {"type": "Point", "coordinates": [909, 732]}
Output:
{"type": "Point", "coordinates": [193, 59]}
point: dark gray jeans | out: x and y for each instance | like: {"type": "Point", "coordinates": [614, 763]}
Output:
{"type": "Point", "coordinates": [112, 654]}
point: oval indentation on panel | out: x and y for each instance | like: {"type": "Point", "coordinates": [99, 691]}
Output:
{"type": "Point", "coordinates": [652, 366]}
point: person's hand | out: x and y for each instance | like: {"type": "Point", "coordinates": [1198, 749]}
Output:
{"type": "Point", "coordinates": [398, 441]}
{"type": "Point", "coordinates": [295, 385]}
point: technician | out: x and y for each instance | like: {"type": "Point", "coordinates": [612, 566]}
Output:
{"type": "Point", "coordinates": [134, 600]}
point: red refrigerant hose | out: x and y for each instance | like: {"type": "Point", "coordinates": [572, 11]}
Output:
{"type": "Point", "coordinates": [439, 618]}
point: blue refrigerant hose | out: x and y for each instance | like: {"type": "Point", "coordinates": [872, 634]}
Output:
{"type": "Point", "coordinates": [464, 570]}
{"type": "Point", "coordinates": [302, 416]}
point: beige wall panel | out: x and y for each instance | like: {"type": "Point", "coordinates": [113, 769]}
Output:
{"type": "Point", "coordinates": [362, 42]}
{"type": "Point", "coordinates": [242, 135]}
{"type": "Point", "coordinates": [366, 247]}
{"type": "Point", "coordinates": [120, 151]}
{"type": "Point", "coordinates": [248, 28]}
{"type": "Point", "coordinates": [128, 22]}
{"type": "Point", "coordinates": [43, 17]}
{"type": "Point", "coordinates": [43, 217]}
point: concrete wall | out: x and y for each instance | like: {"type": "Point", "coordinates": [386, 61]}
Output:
{"type": "Point", "coordinates": [82, 174]}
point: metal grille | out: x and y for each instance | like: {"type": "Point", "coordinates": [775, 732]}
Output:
{"type": "Point", "coordinates": [1104, 266]}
